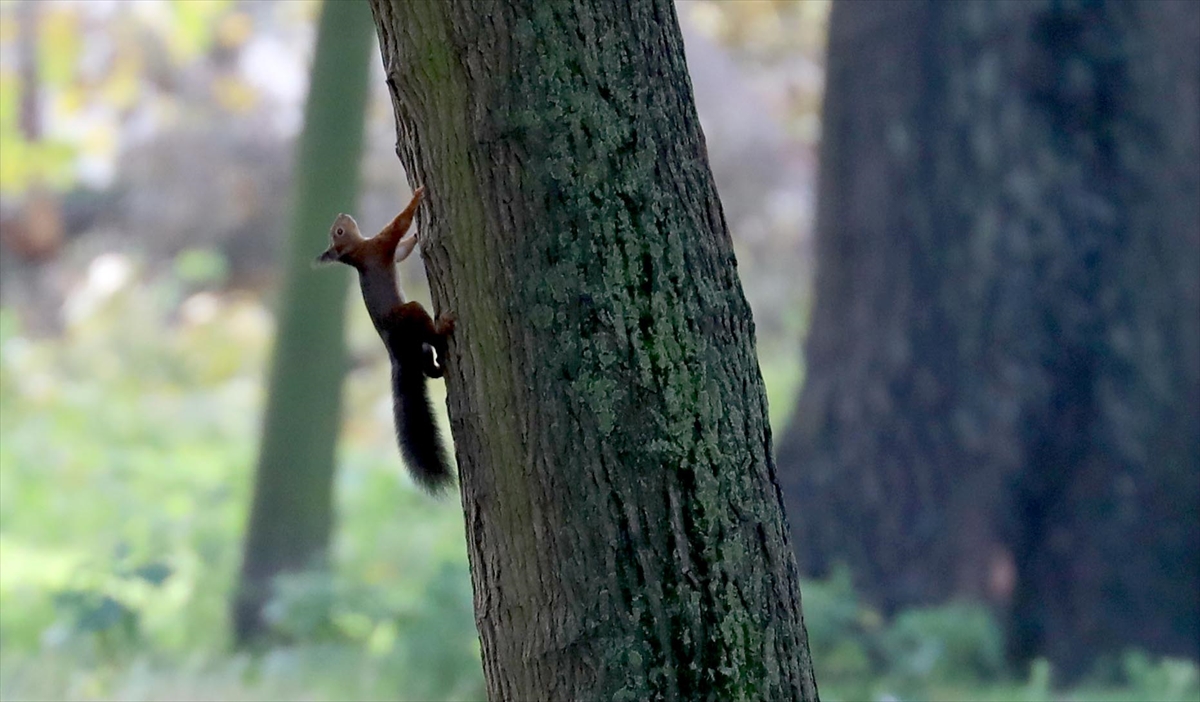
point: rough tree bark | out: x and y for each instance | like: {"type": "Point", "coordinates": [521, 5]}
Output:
{"type": "Point", "coordinates": [1003, 388]}
{"type": "Point", "coordinates": [624, 524]}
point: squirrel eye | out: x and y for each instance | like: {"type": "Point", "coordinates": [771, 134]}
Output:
{"type": "Point", "coordinates": [340, 231]}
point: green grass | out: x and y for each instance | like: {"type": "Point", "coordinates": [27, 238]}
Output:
{"type": "Point", "coordinates": [125, 470]}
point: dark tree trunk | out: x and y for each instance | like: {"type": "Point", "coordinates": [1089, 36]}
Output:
{"type": "Point", "coordinates": [624, 524]}
{"type": "Point", "coordinates": [292, 514]}
{"type": "Point", "coordinates": [1004, 361]}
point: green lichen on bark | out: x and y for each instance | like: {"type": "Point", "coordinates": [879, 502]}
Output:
{"type": "Point", "coordinates": [651, 340]}
{"type": "Point", "coordinates": [429, 60]}
{"type": "Point", "coordinates": [634, 548]}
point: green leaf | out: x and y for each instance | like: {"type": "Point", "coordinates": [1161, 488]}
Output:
{"type": "Point", "coordinates": [104, 615]}
{"type": "Point", "coordinates": [201, 266]}
{"type": "Point", "coordinates": [60, 46]}
{"type": "Point", "coordinates": [154, 573]}
{"type": "Point", "coordinates": [195, 25]}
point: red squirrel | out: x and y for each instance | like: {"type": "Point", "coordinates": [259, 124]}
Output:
{"type": "Point", "coordinates": [411, 336]}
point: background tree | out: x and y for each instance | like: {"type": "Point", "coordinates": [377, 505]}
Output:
{"type": "Point", "coordinates": [292, 514]}
{"type": "Point", "coordinates": [624, 525]}
{"type": "Point", "coordinates": [1003, 390]}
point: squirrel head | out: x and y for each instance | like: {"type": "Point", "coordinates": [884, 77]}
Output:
{"type": "Point", "coordinates": [344, 240]}
{"type": "Point", "coordinates": [347, 244]}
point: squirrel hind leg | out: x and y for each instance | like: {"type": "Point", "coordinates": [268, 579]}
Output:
{"type": "Point", "coordinates": [435, 350]}
{"type": "Point", "coordinates": [444, 324]}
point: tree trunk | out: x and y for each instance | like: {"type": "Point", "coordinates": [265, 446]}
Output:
{"type": "Point", "coordinates": [1003, 387]}
{"type": "Point", "coordinates": [292, 514]}
{"type": "Point", "coordinates": [624, 524]}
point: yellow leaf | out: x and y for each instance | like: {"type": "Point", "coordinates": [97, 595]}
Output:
{"type": "Point", "coordinates": [194, 25]}
{"type": "Point", "coordinates": [59, 46]}
{"type": "Point", "coordinates": [14, 170]}
{"type": "Point", "coordinates": [235, 29]}
{"type": "Point", "coordinates": [123, 85]}
{"type": "Point", "coordinates": [8, 100]}
{"type": "Point", "coordinates": [234, 94]}
{"type": "Point", "coordinates": [71, 99]}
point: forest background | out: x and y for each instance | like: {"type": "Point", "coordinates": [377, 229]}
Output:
{"type": "Point", "coordinates": [146, 170]}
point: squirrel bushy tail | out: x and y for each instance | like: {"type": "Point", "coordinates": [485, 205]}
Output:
{"type": "Point", "coordinates": [417, 431]}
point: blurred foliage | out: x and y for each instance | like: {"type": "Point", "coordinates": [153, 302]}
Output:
{"type": "Point", "coordinates": [781, 43]}
{"type": "Point", "coordinates": [291, 514]}
{"type": "Point", "coordinates": [105, 73]}
{"type": "Point", "coordinates": [125, 463]}
{"type": "Point", "coordinates": [954, 652]}
{"type": "Point", "coordinates": [765, 27]}
{"type": "Point", "coordinates": [957, 642]}
{"type": "Point", "coordinates": [126, 450]}
{"type": "Point", "coordinates": [127, 444]}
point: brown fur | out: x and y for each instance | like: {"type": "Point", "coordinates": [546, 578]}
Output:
{"type": "Point", "coordinates": [410, 335]}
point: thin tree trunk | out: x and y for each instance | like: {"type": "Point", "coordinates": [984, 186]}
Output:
{"type": "Point", "coordinates": [292, 514]}
{"type": "Point", "coordinates": [624, 524]}
{"type": "Point", "coordinates": [1003, 386]}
